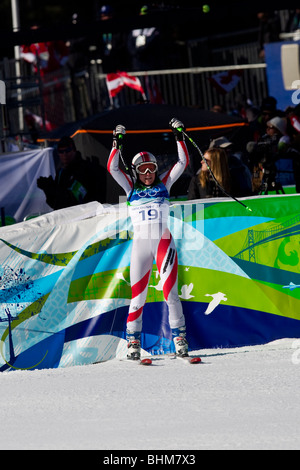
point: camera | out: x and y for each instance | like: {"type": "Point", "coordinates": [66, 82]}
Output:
{"type": "Point", "coordinates": [263, 156]}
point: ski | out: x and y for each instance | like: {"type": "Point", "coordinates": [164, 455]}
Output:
{"type": "Point", "coordinates": [172, 356]}
{"type": "Point", "coordinates": [146, 362]}
{"type": "Point", "coordinates": [190, 359]}
{"type": "Point", "coordinates": [141, 362]}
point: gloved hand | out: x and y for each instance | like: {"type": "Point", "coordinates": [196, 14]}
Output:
{"type": "Point", "coordinates": [118, 135]}
{"type": "Point", "coordinates": [45, 182]}
{"type": "Point", "coordinates": [177, 128]}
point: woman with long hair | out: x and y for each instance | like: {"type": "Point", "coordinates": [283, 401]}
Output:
{"type": "Point", "coordinates": [203, 185]}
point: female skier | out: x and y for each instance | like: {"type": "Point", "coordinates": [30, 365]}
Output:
{"type": "Point", "coordinates": [148, 200]}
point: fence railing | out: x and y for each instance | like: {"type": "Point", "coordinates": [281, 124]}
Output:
{"type": "Point", "coordinates": [61, 98]}
{"type": "Point", "coordinates": [193, 87]}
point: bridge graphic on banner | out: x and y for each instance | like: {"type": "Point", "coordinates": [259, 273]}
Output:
{"type": "Point", "coordinates": [256, 238]}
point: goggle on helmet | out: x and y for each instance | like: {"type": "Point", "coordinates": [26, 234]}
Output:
{"type": "Point", "coordinates": [140, 159]}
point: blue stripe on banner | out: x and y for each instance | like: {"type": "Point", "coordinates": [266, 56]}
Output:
{"type": "Point", "coordinates": [227, 225]}
{"type": "Point", "coordinates": [204, 331]}
{"type": "Point", "coordinates": [116, 257]}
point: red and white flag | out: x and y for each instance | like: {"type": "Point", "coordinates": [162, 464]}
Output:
{"type": "Point", "coordinates": [226, 81]}
{"type": "Point", "coordinates": [295, 121]}
{"type": "Point", "coordinates": [116, 81]}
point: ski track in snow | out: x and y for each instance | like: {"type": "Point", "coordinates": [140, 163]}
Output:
{"type": "Point", "coordinates": [238, 398]}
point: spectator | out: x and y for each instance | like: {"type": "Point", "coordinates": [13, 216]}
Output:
{"type": "Point", "coordinates": [36, 124]}
{"type": "Point", "coordinates": [45, 56]}
{"type": "Point", "coordinates": [264, 154]}
{"type": "Point", "coordinates": [241, 184]}
{"type": "Point", "coordinates": [203, 185]}
{"type": "Point", "coordinates": [76, 181]}
{"type": "Point", "coordinates": [144, 46]}
{"type": "Point", "coordinates": [269, 30]}
{"type": "Point", "coordinates": [241, 105]}
{"type": "Point", "coordinates": [217, 108]}
{"type": "Point", "coordinates": [293, 22]}
{"type": "Point", "coordinates": [113, 47]}
{"type": "Point", "coordinates": [294, 149]}
{"type": "Point", "coordinates": [268, 110]}
{"type": "Point", "coordinates": [277, 128]}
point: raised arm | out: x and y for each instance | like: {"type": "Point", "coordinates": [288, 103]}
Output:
{"type": "Point", "coordinates": [113, 161]}
{"type": "Point", "coordinates": [178, 168]}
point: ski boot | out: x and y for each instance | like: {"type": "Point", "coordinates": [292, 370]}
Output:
{"type": "Point", "coordinates": [180, 341]}
{"type": "Point", "coordinates": [133, 345]}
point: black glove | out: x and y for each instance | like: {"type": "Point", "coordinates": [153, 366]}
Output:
{"type": "Point", "coordinates": [177, 128]}
{"type": "Point", "coordinates": [45, 183]}
{"type": "Point", "coordinates": [118, 135]}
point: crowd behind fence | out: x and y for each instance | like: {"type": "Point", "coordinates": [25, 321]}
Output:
{"type": "Point", "coordinates": [63, 97]}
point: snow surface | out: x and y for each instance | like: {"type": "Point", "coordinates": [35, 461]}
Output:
{"type": "Point", "coordinates": [241, 398]}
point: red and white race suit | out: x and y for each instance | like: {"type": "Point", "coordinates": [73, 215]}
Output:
{"type": "Point", "coordinates": [149, 212]}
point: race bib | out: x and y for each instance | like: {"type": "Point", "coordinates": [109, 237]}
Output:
{"type": "Point", "coordinates": [151, 213]}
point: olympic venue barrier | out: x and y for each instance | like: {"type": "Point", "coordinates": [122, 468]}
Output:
{"type": "Point", "coordinates": [62, 100]}
{"type": "Point", "coordinates": [65, 287]}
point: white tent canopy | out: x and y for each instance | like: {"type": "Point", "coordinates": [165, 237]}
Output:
{"type": "Point", "coordinates": [19, 171]}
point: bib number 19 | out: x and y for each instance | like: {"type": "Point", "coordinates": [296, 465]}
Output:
{"type": "Point", "coordinates": [150, 214]}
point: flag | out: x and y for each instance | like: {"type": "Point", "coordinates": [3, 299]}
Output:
{"type": "Point", "coordinates": [295, 121]}
{"type": "Point", "coordinates": [226, 81]}
{"type": "Point", "coordinates": [116, 81]}
{"type": "Point", "coordinates": [33, 120]}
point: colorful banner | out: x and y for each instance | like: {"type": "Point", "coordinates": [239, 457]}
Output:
{"type": "Point", "coordinates": [65, 287]}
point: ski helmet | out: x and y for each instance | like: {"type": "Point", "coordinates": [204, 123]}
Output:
{"type": "Point", "coordinates": [142, 158]}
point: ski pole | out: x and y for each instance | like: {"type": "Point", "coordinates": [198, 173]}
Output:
{"type": "Point", "coordinates": [120, 148]}
{"type": "Point", "coordinates": [180, 129]}
{"type": "Point", "coordinates": [129, 170]}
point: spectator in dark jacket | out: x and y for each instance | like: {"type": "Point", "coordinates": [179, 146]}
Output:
{"type": "Point", "coordinates": [76, 181]}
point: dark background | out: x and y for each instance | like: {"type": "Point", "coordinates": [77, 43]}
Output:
{"type": "Point", "coordinates": [55, 18]}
